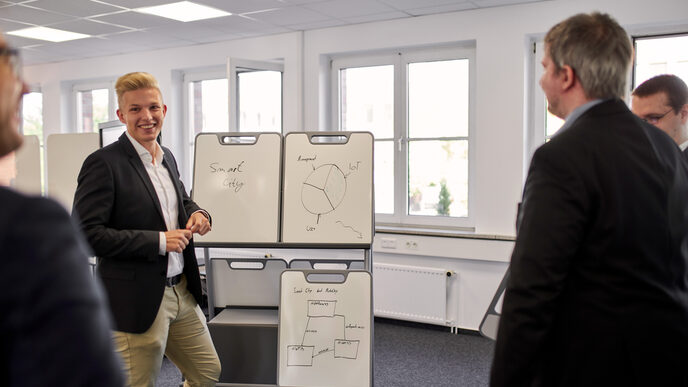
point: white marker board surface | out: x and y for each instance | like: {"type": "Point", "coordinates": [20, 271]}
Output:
{"type": "Point", "coordinates": [28, 162]}
{"type": "Point", "coordinates": [328, 187]}
{"type": "Point", "coordinates": [237, 180]}
{"type": "Point", "coordinates": [325, 329]}
{"type": "Point", "coordinates": [66, 154]}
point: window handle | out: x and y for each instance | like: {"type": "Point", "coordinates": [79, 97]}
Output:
{"type": "Point", "coordinates": [400, 141]}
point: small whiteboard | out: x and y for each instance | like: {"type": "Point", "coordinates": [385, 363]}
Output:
{"type": "Point", "coordinates": [66, 154]}
{"type": "Point", "coordinates": [328, 187]}
{"type": "Point", "coordinates": [28, 162]}
{"type": "Point", "coordinates": [325, 329]}
{"type": "Point", "coordinates": [237, 179]}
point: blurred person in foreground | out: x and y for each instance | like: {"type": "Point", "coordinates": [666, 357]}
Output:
{"type": "Point", "coordinates": [598, 291]}
{"type": "Point", "coordinates": [54, 324]}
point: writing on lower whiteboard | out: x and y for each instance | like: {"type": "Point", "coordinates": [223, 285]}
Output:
{"type": "Point", "coordinates": [325, 333]}
{"type": "Point", "coordinates": [232, 174]}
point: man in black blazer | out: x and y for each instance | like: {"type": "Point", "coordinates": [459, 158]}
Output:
{"type": "Point", "coordinates": [663, 101]}
{"type": "Point", "coordinates": [139, 220]}
{"type": "Point", "coordinates": [598, 291]}
{"type": "Point", "coordinates": [54, 323]}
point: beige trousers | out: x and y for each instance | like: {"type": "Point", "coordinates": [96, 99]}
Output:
{"type": "Point", "coordinates": [180, 332]}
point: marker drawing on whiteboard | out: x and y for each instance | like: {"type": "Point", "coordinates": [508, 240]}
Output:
{"type": "Point", "coordinates": [359, 235]}
{"type": "Point", "coordinates": [320, 335]}
{"type": "Point", "coordinates": [323, 190]}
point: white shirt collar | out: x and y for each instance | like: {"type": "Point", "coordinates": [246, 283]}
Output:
{"type": "Point", "coordinates": [143, 152]}
{"type": "Point", "coordinates": [683, 146]}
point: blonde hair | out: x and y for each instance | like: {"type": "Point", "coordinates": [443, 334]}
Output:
{"type": "Point", "coordinates": [135, 81]}
{"type": "Point", "coordinates": [598, 50]}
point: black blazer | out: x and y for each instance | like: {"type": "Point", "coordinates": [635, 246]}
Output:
{"type": "Point", "coordinates": [121, 216]}
{"type": "Point", "coordinates": [54, 324]}
{"type": "Point", "coordinates": [598, 286]}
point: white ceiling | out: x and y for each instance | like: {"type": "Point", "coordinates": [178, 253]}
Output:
{"type": "Point", "coordinates": [117, 29]}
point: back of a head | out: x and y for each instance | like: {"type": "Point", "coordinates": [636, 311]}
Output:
{"type": "Point", "coordinates": [673, 86]}
{"type": "Point", "coordinates": [597, 48]}
{"type": "Point", "coordinates": [134, 81]}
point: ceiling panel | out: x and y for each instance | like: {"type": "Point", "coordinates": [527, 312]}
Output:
{"type": "Point", "coordinates": [85, 26]}
{"type": "Point", "coordinates": [135, 20]}
{"type": "Point", "coordinates": [414, 4]}
{"type": "Point", "coordinates": [463, 6]}
{"type": "Point", "coordinates": [289, 16]}
{"type": "Point", "coordinates": [34, 16]}
{"type": "Point", "coordinates": [315, 25]}
{"type": "Point", "coordinates": [18, 41]}
{"type": "Point", "coordinates": [244, 24]}
{"type": "Point", "coordinates": [376, 17]}
{"type": "Point", "coordinates": [8, 25]}
{"type": "Point", "coordinates": [243, 6]}
{"type": "Point", "coordinates": [351, 8]}
{"type": "Point", "coordinates": [131, 4]}
{"type": "Point", "coordinates": [80, 8]}
{"type": "Point", "coordinates": [498, 3]}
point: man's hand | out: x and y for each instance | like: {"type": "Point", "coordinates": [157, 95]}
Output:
{"type": "Point", "coordinates": [198, 223]}
{"type": "Point", "coordinates": [177, 240]}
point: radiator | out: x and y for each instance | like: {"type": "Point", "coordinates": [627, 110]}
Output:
{"type": "Point", "coordinates": [410, 293]}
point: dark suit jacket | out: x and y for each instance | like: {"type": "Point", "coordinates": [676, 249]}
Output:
{"type": "Point", "coordinates": [598, 290]}
{"type": "Point", "coordinates": [54, 324]}
{"type": "Point", "coordinates": [121, 216]}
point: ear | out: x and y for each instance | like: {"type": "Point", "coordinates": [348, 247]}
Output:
{"type": "Point", "coordinates": [683, 114]}
{"type": "Point", "coordinates": [164, 110]}
{"type": "Point", "coordinates": [568, 77]}
{"type": "Point", "coordinates": [120, 116]}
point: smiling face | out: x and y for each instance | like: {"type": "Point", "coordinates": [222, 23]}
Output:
{"type": "Point", "coordinates": [143, 112]}
{"type": "Point", "coordinates": [12, 88]}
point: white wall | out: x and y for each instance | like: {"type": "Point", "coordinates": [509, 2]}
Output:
{"type": "Point", "coordinates": [502, 39]}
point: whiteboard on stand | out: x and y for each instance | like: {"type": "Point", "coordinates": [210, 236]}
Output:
{"type": "Point", "coordinates": [66, 154]}
{"type": "Point", "coordinates": [328, 187]}
{"type": "Point", "coordinates": [325, 329]}
{"type": "Point", "coordinates": [237, 180]}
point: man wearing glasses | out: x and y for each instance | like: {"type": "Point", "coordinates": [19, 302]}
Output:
{"type": "Point", "coordinates": [54, 326]}
{"type": "Point", "coordinates": [663, 102]}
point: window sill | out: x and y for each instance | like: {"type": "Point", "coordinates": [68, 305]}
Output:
{"type": "Point", "coordinates": [467, 233]}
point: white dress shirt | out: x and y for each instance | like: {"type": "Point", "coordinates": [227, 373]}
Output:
{"type": "Point", "coordinates": [164, 188]}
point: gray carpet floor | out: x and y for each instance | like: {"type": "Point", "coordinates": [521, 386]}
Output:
{"type": "Point", "coordinates": [408, 354]}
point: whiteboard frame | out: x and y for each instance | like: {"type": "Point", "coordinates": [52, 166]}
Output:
{"type": "Point", "coordinates": [344, 273]}
{"type": "Point", "coordinates": [348, 135]}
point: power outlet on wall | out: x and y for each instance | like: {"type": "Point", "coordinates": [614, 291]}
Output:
{"type": "Point", "coordinates": [388, 243]}
{"type": "Point", "coordinates": [412, 245]}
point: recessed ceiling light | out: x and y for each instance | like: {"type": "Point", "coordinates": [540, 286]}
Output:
{"type": "Point", "coordinates": [49, 34]}
{"type": "Point", "coordinates": [185, 11]}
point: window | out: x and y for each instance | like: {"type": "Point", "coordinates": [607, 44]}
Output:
{"type": "Point", "coordinates": [206, 96]}
{"type": "Point", "coordinates": [418, 105]}
{"type": "Point", "coordinates": [657, 55]}
{"type": "Point", "coordinates": [31, 125]}
{"type": "Point", "coordinates": [257, 87]}
{"type": "Point", "coordinates": [95, 103]}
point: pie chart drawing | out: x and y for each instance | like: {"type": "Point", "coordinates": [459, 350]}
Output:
{"type": "Point", "coordinates": [323, 190]}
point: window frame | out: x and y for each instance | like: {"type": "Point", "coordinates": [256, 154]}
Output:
{"type": "Point", "coordinates": [400, 59]}
{"type": "Point", "coordinates": [78, 87]}
{"type": "Point", "coordinates": [236, 66]}
{"type": "Point", "coordinates": [188, 76]}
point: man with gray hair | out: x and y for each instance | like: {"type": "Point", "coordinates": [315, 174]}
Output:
{"type": "Point", "coordinates": [598, 290]}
